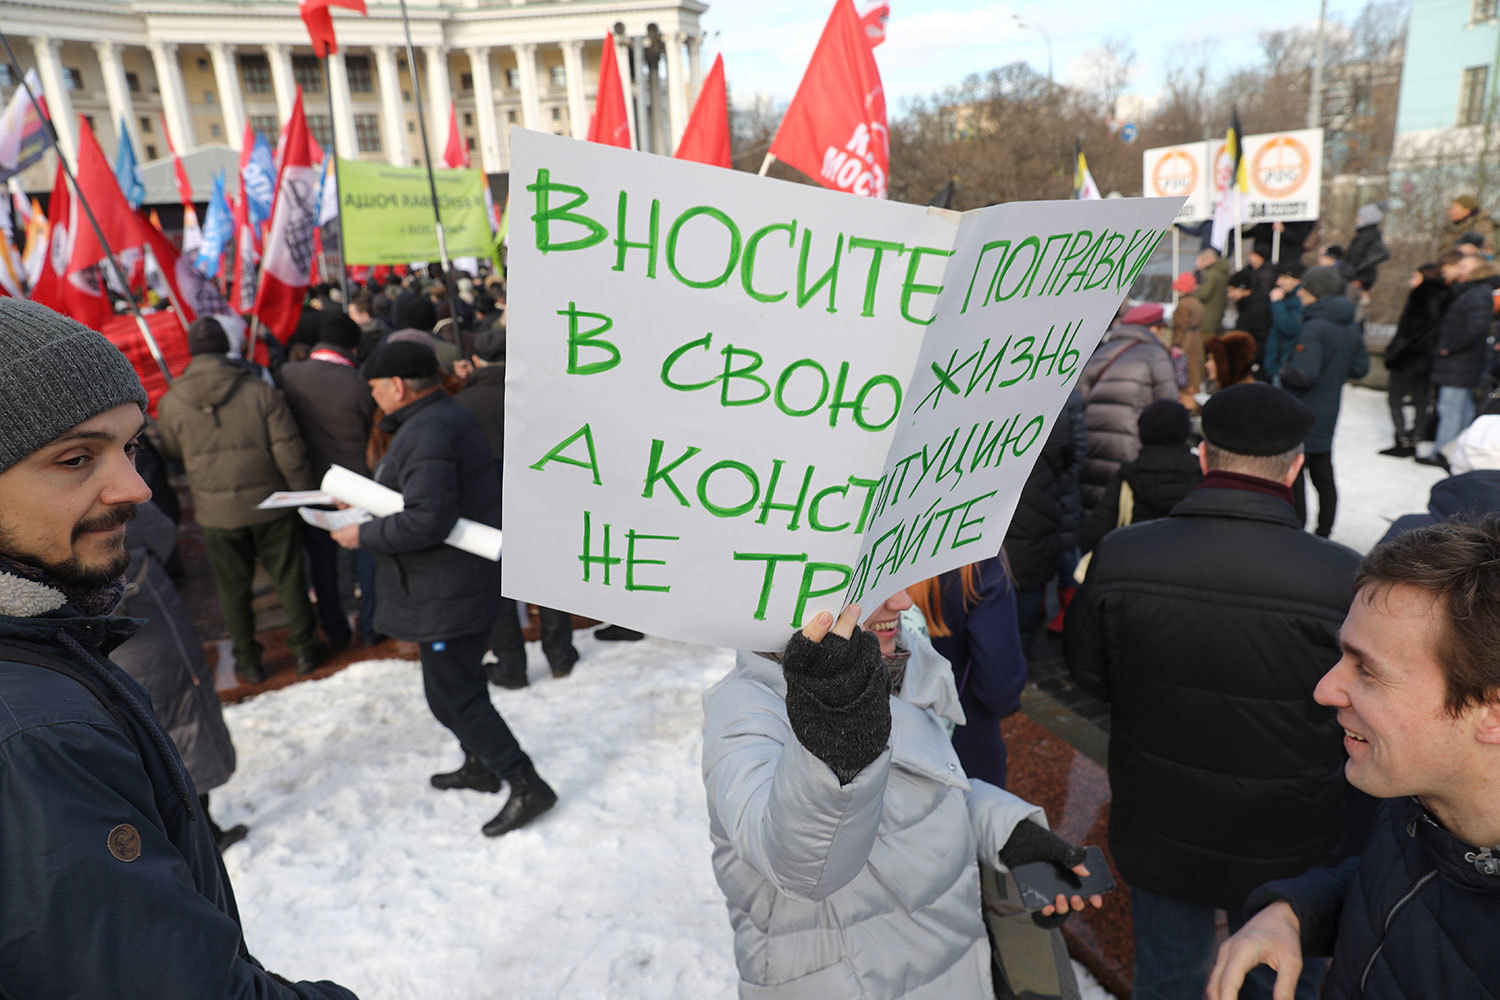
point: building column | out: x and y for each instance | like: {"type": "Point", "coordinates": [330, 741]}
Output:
{"type": "Point", "coordinates": [344, 143]}
{"type": "Point", "coordinates": [118, 92]}
{"type": "Point", "coordinates": [622, 61]}
{"type": "Point", "coordinates": [392, 116]}
{"type": "Point", "coordinates": [230, 100]}
{"type": "Point", "coordinates": [695, 67]}
{"type": "Point", "coordinates": [173, 97]}
{"type": "Point", "coordinates": [484, 110]}
{"type": "Point", "coordinates": [643, 140]}
{"type": "Point", "coordinates": [531, 99]}
{"type": "Point", "coordinates": [59, 103]}
{"type": "Point", "coordinates": [280, 57]}
{"type": "Point", "coordinates": [578, 109]}
{"type": "Point", "coordinates": [677, 86]}
{"type": "Point", "coordinates": [439, 98]}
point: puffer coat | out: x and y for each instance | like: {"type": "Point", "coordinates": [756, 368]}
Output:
{"type": "Point", "coordinates": [867, 890]}
{"type": "Point", "coordinates": [1128, 372]}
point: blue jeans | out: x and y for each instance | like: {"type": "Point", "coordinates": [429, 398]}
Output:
{"type": "Point", "coordinates": [1455, 410]}
{"type": "Point", "coordinates": [1174, 952]}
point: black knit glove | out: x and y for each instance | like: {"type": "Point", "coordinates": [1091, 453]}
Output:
{"type": "Point", "coordinates": [1029, 842]}
{"type": "Point", "coordinates": [837, 699]}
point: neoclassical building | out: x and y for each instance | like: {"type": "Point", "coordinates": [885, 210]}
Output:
{"type": "Point", "coordinates": [206, 67]}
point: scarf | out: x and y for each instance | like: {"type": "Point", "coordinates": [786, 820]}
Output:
{"type": "Point", "coordinates": [331, 356]}
{"type": "Point", "coordinates": [96, 603]}
{"type": "Point", "coordinates": [1219, 479]}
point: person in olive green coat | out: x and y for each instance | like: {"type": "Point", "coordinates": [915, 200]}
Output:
{"type": "Point", "coordinates": [1213, 288]}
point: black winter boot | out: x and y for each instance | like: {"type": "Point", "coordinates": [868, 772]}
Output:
{"type": "Point", "coordinates": [1405, 447]}
{"type": "Point", "coordinates": [473, 775]}
{"type": "Point", "coordinates": [530, 796]}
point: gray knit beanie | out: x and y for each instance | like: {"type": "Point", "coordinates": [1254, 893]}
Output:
{"type": "Point", "coordinates": [57, 374]}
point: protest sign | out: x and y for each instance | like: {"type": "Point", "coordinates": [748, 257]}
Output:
{"type": "Point", "coordinates": [1180, 172]}
{"type": "Point", "coordinates": [1285, 170]}
{"type": "Point", "coordinates": [733, 402]}
{"type": "Point", "coordinates": [387, 213]}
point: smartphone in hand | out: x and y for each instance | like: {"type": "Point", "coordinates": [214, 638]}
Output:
{"type": "Point", "coordinates": [1041, 882]}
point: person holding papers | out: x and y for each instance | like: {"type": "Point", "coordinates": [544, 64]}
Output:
{"type": "Point", "coordinates": [438, 596]}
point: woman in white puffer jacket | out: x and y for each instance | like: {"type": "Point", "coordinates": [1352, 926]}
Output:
{"type": "Point", "coordinates": [847, 839]}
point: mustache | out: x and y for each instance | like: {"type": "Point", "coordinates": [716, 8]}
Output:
{"type": "Point", "coordinates": [113, 518]}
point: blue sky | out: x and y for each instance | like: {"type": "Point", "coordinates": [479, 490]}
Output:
{"type": "Point", "coordinates": [933, 43]}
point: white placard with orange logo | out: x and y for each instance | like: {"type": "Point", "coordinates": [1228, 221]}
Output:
{"type": "Point", "coordinates": [1285, 174]}
{"type": "Point", "coordinates": [1180, 172]}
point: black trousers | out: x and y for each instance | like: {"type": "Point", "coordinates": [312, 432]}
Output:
{"type": "Point", "coordinates": [509, 645]}
{"type": "Point", "coordinates": [458, 693]}
{"type": "Point", "coordinates": [1406, 384]}
{"type": "Point", "coordinates": [1319, 468]}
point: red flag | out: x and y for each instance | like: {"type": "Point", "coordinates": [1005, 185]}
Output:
{"type": "Point", "coordinates": [246, 250]}
{"type": "Point", "coordinates": [50, 287]}
{"type": "Point", "coordinates": [706, 138]}
{"type": "Point", "coordinates": [167, 330]}
{"type": "Point", "coordinates": [835, 129]}
{"type": "Point", "coordinates": [287, 268]}
{"type": "Point", "coordinates": [98, 186]}
{"type": "Point", "coordinates": [874, 21]}
{"type": "Point", "coordinates": [610, 123]}
{"type": "Point", "coordinates": [454, 155]}
{"type": "Point", "coordinates": [184, 186]}
{"type": "Point", "coordinates": [319, 21]}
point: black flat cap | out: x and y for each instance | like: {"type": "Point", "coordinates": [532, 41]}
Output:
{"type": "Point", "coordinates": [401, 359]}
{"type": "Point", "coordinates": [1255, 419]}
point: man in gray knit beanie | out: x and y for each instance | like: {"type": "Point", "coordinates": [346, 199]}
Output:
{"type": "Point", "coordinates": [102, 838]}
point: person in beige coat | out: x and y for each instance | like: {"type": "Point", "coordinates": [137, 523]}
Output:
{"type": "Point", "coordinates": [239, 443]}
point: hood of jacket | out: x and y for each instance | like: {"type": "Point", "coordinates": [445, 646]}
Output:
{"type": "Point", "coordinates": [34, 612]}
{"type": "Point", "coordinates": [1333, 308]}
{"type": "Point", "coordinates": [209, 381]}
{"type": "Point", "coordinates": [1471, 494]}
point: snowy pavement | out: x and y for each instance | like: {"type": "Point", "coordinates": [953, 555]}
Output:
{"type": "Point", "coordinates": [357, 871]}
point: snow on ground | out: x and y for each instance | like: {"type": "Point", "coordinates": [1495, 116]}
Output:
{"type": "Point", "coordinates": [358, 871]}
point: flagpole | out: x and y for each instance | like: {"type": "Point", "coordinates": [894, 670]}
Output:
{"type": "Point", "coordinates": [46, 118]}
{"type": "Point", "coordinates": [766, 164]}
{"type": "Point", "coordinates": [338, 219]}
{"type": "Point", "coordinates": [1176, 250]}
{"type": "Point", "coordinates": [437, 215]}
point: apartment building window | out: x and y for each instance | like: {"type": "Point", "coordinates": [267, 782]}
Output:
{"type": "Point", "coordinates": [210, 98]}
{"type": "Point", "coordinates": [1471, 95]}
{"type": "Point", "coordinates": [360, 80]}
{"type": "Point", "coordinates": [513, 78]}
{"type": "Point", "coordinates": [203, 65]}
{"type": "Point", "coordinates": [466, 81]}
{"type": "Point", "coordinates": [150, 152]}
{"type": "Point", "coordinates": [266, 126]}
{"type": "Point", "coordinates": [73, 78]}
{"type": "Point", "coordinates": [367, 133]}
{"type": "Point", "coordinates": [213, 130]}
{"type": "Point", "coordinates": [257, 73]}
{"type": "Point", "coordinates": [308, 74]}
{"type": "Point", "coordinates": [411, 126]}
{"type": "Point", "coordinates": [558, 75]}
{"type": "Point", "coordinates": [468, 118]}
{"type": "Point", "coordinates": [145, 125]}
{"type": "Point", "coordinates": [510, 116]}
{"type": "Point", "coordinates": [469, 143]}
{"type": "Point", "coordinates": [1483, 10]}
{"type": "Point", "coordinates": [90, 120]}
{"type": "Point", "coordinates": [321, 129]}
{"type": "Point", "coordinates": [557, 114]}
{"type": "Point", "coordinates": [133, 82]}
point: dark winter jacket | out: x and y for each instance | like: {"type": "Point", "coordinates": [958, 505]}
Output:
{"type": "Point", "coordinates": [1459, 359]}
{"type": "Point", "coordinates": [1071, 481]}
{"type": "Point", "coordinates": [166, 656]}
{"type": "Point", "coordinates": [1366, 252]}
{"type": "Point", "coordinates": [484, 396]}
{"type": "Point", "coordinates": [1286, 330]}
{"type": "Point", "coordinates": [984, 649]}
{"type": "Point", "coordinates": [1213, 291]}
{"type": "Point", "coordinates": [440, 464]}
{"type": "Point", "coordinates": [1254, 311]}
{"type": "Point", "coordinates": [1206, 632]}
{"type": "Point", "coordinates": [237, 439]}
{"type": "Point", "coordinates": [1127, 372]}
{"type": "Point", "coordinates": [1413, 918]}
{"type": "Point", "coordinates": [1469, 495]}
{"type": "Point", "coordinates": [334, 410]}
{"type": "Point", "coordinates": [1330, 352]}
{"type": "Point", "coordinates": [1416, 331]}
{"type": "Point", "coordinates": [113, 886]}
{"type": "Point", "coordinates": [1159, 478]}
{"type": "Point", "coordinates": [1033, 542]}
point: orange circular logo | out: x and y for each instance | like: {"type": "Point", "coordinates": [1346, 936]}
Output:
{"type": "Point", "coordinates": [1280, 167]}
{"type": "Point", "coordinates": [1175, 175]}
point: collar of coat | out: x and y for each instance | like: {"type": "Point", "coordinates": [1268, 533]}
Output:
{"type": "Point", "coordinates": [1213, 500]}
{"type": "Point", "coordinates": [393, 421]}
{"type": "Point", "coordinates": [34, 611]}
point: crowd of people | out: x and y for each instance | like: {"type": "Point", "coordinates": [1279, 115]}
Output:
{"type": "Point", "coordinates": [1301, 740]}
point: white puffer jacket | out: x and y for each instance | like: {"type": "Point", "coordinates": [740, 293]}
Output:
{"type": "Point", "coordinates": [869, 890]}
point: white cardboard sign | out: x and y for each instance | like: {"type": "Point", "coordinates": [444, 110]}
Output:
{"type": "Point", "coordinates": [1285, 173]}
{"type": "Point", "coordinates": [733, 402]}
{"type": "Point", "coordinates": [1180, 172]}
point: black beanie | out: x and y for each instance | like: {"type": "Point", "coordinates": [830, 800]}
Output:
{"type": "Point", "coordinates": [401, 359]}
{"type": "Point", "coordinates": [341, 331]}
{"type": "Point", "coordinates": [1256, 419]}
{"type": "Point", "coordinates": [421, 315]}
{"type": "Point", "coordinates": [1165, 421]}
{"type": "Point", "coordinates": [206, 336]}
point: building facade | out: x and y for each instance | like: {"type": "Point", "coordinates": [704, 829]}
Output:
{"type": "Point", "coordinates": [202, 69]}
{"type": "Point", "coordinates": [1447, 82]}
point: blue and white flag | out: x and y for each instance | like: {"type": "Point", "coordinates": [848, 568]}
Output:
{"type": "Point", "coordinates": [128, 170]}
{"type": "Point", "coordinates": [218, 228]}
{"type": "Point", "coordinates": [260, 180]}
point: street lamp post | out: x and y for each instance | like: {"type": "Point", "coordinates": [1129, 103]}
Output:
{"type": "Point", "coordinates": [1045, 37]}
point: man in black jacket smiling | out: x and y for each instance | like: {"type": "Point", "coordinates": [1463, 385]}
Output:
{"type": "Point", "coordinates": [1417, 692]}
{"type": "Point", "coordinates": [440, 597]}
{"type": "Point", "coordinates": [1206, 631]}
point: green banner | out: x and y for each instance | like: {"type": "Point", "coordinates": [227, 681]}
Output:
{"type": "Point", "coordinates": [387, 213]}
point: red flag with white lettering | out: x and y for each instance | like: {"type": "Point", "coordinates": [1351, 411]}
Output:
{"type": "Point", "coordinates": [319, 21]}
{"type": "Point", "coordinates": [874, 21]}
{"type": "Point", "coordinates": [706, 138]}
{"type": "Point", "coordinates": [835, 128]}
{"type": "Point", "coordinates": [611, 122]}
{"type": "Point", "coordinates": [287, 268]}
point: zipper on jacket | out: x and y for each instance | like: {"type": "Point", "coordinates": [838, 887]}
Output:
{"type": "Point", "coordinates": [1384, 931]}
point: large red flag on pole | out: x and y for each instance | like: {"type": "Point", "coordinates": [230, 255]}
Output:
{"type": "Point", "coordinates": [611, 122]}
{"type": "Point", "coordinates": [97, 184]}
{"type": "Point", "coordinates": [286, 269]}
{"type": "Point", "coordinates": [706, 138]}
{"type": "Point", "coordinates": [454, 154]}
{"type": "Point", "coordinates": [50, 285]}
{"type": "Point", "coordinates": [319, 21]}
{"type": "Point", "coordinates": [835, 128]}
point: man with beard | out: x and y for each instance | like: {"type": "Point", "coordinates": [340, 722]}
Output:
{"type": "Point", "coordinates": [112, 882]}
